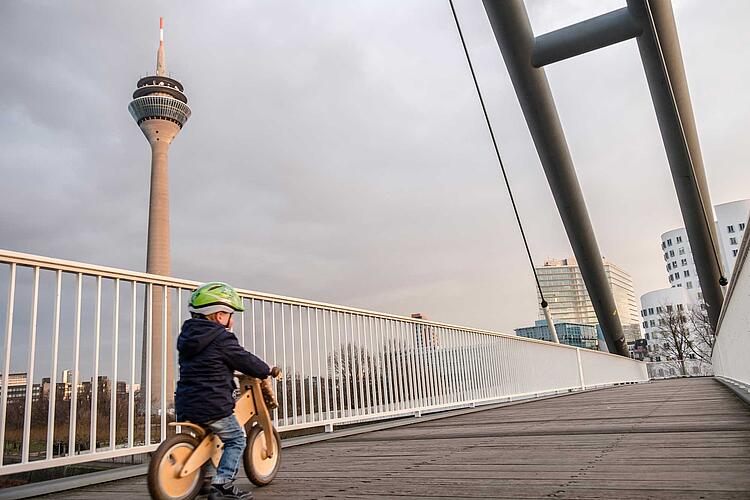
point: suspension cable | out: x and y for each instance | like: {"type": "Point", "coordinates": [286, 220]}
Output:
{"type": "Point", "coordinates": [497, 153]}
{"type": "Point", "coordinates": [665, 69]}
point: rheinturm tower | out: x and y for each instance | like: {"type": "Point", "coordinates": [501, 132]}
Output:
{"type": "Point", "coordinates": [160, 109]}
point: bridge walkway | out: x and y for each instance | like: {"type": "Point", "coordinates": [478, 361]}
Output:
{"type": "Point", "coordinates": [685, 438]}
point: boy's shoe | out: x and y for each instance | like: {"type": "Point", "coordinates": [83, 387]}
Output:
{"type": "Point", "coordinates": [205, 487]}
{"type": "Point", "coordinates": [228, 492]}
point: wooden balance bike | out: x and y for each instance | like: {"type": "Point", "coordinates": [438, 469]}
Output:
{"type": "Point", "coordinates": [177, 468]}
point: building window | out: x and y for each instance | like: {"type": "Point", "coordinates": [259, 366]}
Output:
{"type": "Point", "coordinates": [652, 323]}
{"type": "Point", "coordinates": [734, 253]}
{"type": "Point", "coordinates": [674, 264]}
{"type": "Point", "coordinates": [732, 241]}
{"type": "Point", "coordinates": [742, 226]}
{"type": "Point", "coordinates": [686, 273]}
{"type": "Point", "coordinates": [730, 229]}
{"type": "Point", "coordinates": [670, 278]}
{"type": "Point", "coordinates": [678, 239]}
{"type": "Point", "coordinates": [669, 242]}
{"type": "Point", "coordinates": [669, 308]}
{"type": "Point", "coordinates": [679, 307]}
{"type": "Point", "coordinates": [669, 266]}
{"type": "Point", "coordinates": [666, 256]}
{"type": "Point", "coordinates": [659, 309]}
{"type": "Point", "coordinates": [689, 284]}
{"type": "Point", "coordinates": [671, 253]}
{"type": "Point", "coordinates": [682, 251]}
{"type": "Point", "coordinates": [645, 324]}
{"type": "Point", "coordinates": [663, 245]}
{"type": "Point", "coordinates": [651, 310]}
{"type": "Point", "coordinates": [679, 285]}
{"type": "Point", "coordinates": [683, 262]}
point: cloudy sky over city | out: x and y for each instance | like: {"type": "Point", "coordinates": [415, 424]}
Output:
{"type": "Point", "coordinates": [337, 150]}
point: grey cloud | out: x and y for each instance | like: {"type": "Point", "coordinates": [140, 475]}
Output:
{"type": "Point", "coordinates": [337, 149]}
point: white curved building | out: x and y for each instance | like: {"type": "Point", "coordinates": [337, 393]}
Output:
{"type": "Point", "coordinates": [731, 220]}
{"type": "Point", "coordinates": [678, 259]}
{"type": "Point", "coordinates": [652, 307]}
{"type": "Point", "coordinates": [685, 291]}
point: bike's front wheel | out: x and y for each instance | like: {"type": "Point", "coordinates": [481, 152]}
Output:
{"type": "Point", "coordinates": [164, 481]}
{"type": "Point", "coordinates": [259, 470]}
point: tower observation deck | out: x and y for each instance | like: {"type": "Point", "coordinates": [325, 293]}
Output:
{"type": "Point", "coordinates": [159, 97]}
{"type": "Point", "coordinates": [160, 109]}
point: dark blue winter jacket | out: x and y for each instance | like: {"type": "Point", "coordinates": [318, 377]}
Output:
{"type": "Point", "coordinates": [208, 355]}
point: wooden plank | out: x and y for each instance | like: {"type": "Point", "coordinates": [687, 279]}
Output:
{"type": "Point", "coordinates": [686, 438]}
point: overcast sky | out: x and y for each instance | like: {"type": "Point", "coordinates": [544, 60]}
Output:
{"type": "Point", "coordinates": [337, 150]}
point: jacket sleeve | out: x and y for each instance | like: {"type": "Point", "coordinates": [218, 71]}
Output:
{"type": "Point", "coordinates": [241, 360]}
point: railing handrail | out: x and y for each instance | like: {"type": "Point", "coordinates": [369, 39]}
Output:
{"type": "Point", "coordinates": [86, 269]}
{"type": "Point", "coordinates": [345, 364]}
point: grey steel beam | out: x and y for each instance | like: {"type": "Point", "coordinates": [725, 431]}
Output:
{"type": "Point", "coordinates": [662, 61]}
{"type": "Point", "coordinates": [601, 31]}
{"type": "Point", "coordinates": [512, 29]}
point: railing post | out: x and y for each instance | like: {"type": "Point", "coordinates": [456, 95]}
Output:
{"type": "Point", "coordinates": [75, 375]}
{"type": "Point", "coordinates": [30, 371]}
{"type": "Point", "coordinates": [53, 374]}
{"type": "Point", "coordinates": [6, 359]}
{"type": "Point", "coordinates": [580, 369]}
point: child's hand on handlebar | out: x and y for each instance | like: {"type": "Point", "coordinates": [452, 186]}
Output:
{"type": "Point", "coordinates": [276, 373]}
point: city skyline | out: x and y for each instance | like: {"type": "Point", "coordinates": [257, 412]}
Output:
{"type": "Point", "coordinates": [315, 159]}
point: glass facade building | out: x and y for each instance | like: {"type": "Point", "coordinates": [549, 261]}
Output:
{"type": "Point", "coordinates": [574, 334]}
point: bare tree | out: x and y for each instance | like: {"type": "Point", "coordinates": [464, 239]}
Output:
{"type": "Point", "coordinates": [703, 336]}
{"type": "Point", "coordinates": [674, 335]}
{"type": "Point", "coordinates": [353, 369]}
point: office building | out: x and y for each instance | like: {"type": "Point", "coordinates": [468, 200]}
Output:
{"type": "Point", "coordinates": [569, 302]}
{"type": "Point", "coordinates": [16, 385]}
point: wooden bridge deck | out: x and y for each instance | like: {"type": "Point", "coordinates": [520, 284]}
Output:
{"type": "Point", "coordinates": [671, 439]}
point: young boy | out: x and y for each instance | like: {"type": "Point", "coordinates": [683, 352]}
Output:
{"type": "Point", "coordinates": [209, 353]}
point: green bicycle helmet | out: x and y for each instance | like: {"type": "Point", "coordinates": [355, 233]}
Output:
{"type": "Point", "coordinates": [215, 297]}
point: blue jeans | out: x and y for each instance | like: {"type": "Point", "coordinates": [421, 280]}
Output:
{"type": "Point", "coordinates": [233, 436]}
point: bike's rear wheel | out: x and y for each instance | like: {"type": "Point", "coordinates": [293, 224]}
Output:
{"type": "Point", "coordinates": [259, 470]}
{"type": "Point", "coordinates": [164, 481]}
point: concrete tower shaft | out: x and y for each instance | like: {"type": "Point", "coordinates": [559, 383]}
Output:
{"type": "Point", "coordinates": [160, 109]}
{"type": "Point", "coordinates": [160, 134]}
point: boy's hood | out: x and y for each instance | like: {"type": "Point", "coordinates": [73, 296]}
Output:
{"type": "Point", "coordinates": [196, 335]}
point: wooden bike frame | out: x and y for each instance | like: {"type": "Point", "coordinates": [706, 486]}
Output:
{"type": "Point", "coordinates": [250, 408]}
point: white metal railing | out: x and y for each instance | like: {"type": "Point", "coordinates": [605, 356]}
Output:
{"type": "Point", "coordinates": [731, 350]}
{"type": "Point", "coordinates": [73, 346]}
